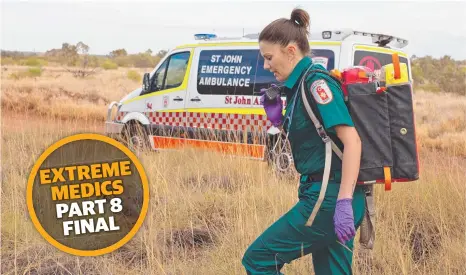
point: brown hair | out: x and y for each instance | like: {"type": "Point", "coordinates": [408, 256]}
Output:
{"type": "Point", "coordinates": [284, 31]}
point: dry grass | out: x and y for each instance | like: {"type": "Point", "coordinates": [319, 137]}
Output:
{"type": "Point", "coordinates": [205, 209]}
{"type": "Point", "coordinates": [441, 121]}
{"type": "Point", "coordinates": [58, 94]}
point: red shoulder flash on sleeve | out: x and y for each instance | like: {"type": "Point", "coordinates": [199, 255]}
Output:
{"type": "Point", "coordinates": [321, 92]}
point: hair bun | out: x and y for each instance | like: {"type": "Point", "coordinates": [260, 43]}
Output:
{"type": "Point", "coordinates": [300, 17]}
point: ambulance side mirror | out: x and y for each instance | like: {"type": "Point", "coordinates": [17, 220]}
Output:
{"type": "Point", "coordinates": [146, 83]}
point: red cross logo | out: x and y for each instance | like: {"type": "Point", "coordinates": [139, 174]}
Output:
{"type": "Point", "coordinates": [323, 95]}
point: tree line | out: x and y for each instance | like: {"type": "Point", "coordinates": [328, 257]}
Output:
{"type": "Point", "coordinates": [432, 74]}
{"type": "Point", "coordinates": [442, 74]}
{"type": "Point", "coordinates": [77, 55]}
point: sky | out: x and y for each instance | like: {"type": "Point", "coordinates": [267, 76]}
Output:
{"type": "Point", "coordinates": [433, 28]}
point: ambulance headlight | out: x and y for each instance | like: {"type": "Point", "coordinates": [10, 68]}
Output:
{"type": "Point", "coordinates": [326, 34]}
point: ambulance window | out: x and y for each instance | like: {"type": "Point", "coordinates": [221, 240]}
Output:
{"type": "Point", "coordinates": [171, 73]}
{"type": "Point", "coordinates": [159, 75]}
{"type": "Point", "coordinates": [232, 72]}
{"type": "Point", "coordinates": [176, 70]}
{"type": "Point", "coordinates": [157, 78]}
{"type": "Point", "coordinates": [375, 60]}
{"type": "Point", "coordinates": [324, 57]}
{"type": "Point", "coordinates": [263, 77]}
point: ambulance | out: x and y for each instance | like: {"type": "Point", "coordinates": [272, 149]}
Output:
{"type": "Point", "coordinates": [205, 94]}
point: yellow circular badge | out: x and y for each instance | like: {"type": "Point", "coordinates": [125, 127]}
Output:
{"type": "Point", "coordinates": [87, 194]}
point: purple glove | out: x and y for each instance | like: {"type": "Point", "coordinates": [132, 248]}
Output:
{"type": "Point", "coordinates": [273, 109]}
{"type": "Point", "coordinates": [344, 220]}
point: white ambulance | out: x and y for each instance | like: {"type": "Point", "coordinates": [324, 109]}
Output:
{"type": "Point", "coordinates": [205, 94]}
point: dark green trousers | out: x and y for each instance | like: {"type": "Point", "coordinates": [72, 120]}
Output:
{"type": "Point", "coordinates": [288, 238]}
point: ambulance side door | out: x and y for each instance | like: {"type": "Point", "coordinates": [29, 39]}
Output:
{"type": "Point", "coordinates": [165, 103]}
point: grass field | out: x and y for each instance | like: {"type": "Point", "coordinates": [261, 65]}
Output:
{"type": "Point", "coordinates": [205, 209]}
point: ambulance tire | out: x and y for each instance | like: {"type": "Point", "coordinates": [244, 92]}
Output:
{"type": "Point", "coordinates": [136, 137]}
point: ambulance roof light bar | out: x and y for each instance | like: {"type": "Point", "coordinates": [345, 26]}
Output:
{"type": "Point", "coordinates": [212, 37]}
{"type": "Point", "coordinates": [204, 36]}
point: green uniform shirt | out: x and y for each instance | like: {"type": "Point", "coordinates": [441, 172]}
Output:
{"type": "Point", "coordinates": [326, 96]}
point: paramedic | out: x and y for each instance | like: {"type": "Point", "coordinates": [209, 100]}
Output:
{"type": "Point", "coordinates": [285, 48]}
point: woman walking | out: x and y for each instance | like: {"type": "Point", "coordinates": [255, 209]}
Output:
{"type": "Point", "coordinates": [285, 47]}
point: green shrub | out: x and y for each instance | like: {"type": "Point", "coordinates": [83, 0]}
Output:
{"type": "Point", "coordinates": [109, 65]}
{"type": "Point", "coordinates": [31, 72]}
{"type": "Point", "coordinates": [33, 62]}
{"type": "Point", "coordinates": [34, 72]}
{"type": "Point", "coordinates": [134, 76]}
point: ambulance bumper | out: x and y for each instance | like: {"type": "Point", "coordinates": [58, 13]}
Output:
{"type": "Point", "coordinates": [113, 127]}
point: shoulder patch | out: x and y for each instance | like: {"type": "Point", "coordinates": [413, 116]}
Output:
{"type": "Point", "coordinates": [321, 92]}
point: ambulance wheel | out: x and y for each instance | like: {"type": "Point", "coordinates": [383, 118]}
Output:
{"type": "Point", "coordinates": [136, 137]}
